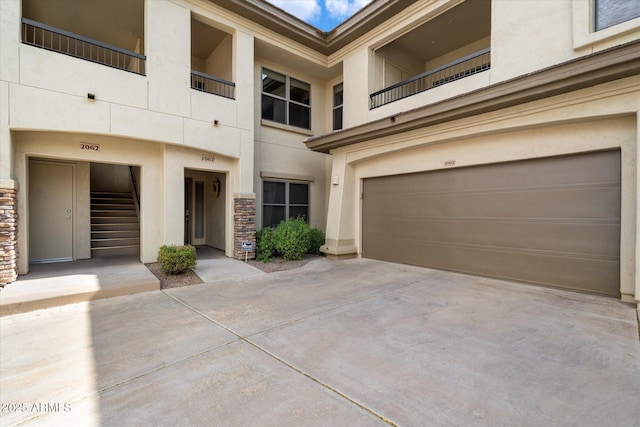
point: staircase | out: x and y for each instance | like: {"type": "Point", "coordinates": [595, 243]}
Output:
{"type": "Point", "coordinates": [115, 229]}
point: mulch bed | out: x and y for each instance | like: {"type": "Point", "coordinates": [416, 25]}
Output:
{"type": "Point", "coordinates": [168, 281]}
{"type": "Point", "coordinates": [281, 264]}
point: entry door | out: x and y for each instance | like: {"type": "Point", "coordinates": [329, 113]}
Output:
{"type": "Point", "coordinates": [188, 183]}
{"type": "Point", "coordinates": [50, 211]}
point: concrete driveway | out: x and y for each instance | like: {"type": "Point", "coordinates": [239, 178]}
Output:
{"type": "Point", "coordinates": [356, 342]}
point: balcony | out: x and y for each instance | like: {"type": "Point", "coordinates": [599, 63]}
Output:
{"type": "Point", "coordinates": [456, 70]}
{"type": "Point", "coordinates": [57, 40]}
{"type": "Point", "coordinates": [206, 83]}
{"type": "Point", "coordinates": [455, 43]}
{"type": "Point", "coordinates": [110, 33]}
{"type": "Point", "coordinates": [211, 58]}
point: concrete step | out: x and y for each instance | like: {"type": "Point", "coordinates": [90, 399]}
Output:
{"type": "Point", "coordinates": [52, 285]}
{"type": "Point", "coordinates": [113, 212]}
{"type": "Point", "coordinates": [101, 219]}
{"type": "Point", "coordinates": [115, 242]}
{"type": "Point", "coordinates": [111, 194]}
{"type": "Point", "coordinates": [117, 250]}
{"type": "Point", "coordinates": [111, 206]}
{"type": "Point", "coordinates": [115, 234]}
{"type": "Point", "coordinates": [111, 199]}
{"type": "Point", "coordinates": [115, 226]}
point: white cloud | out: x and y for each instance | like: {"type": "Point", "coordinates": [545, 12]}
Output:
{"type": "Point", "coordinates": [304, 9]}
{"type": "Point", "coordinates": [341, 9]}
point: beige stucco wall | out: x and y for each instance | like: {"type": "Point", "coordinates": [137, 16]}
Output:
{"type": "Point", "coordinates": [526, 36]}
{"type": "Point", "coordinates": [280, 151]}
{"type": "Point", "coordinates": [156, 122]}
{"type": "Point", "coordinates": [218, 64]}
{"type": "Point", "coordinates": [599, 118]}
{"type": "Point", "coordinates": [66, 146]}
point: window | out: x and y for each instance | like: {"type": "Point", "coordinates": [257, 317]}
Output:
{"type": "Point", "coordinates": [337, 106]}
{"type": "Point", "coordinates": [199, 210]}
{"type": "Point", "coordinates": [612, 12]}
{"type": "Point", "coordinates": [283, 200]}
{"type": "Point", "coordinates": [285, 100]}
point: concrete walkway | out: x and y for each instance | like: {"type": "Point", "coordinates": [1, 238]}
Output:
{"type": "Point", "coordinates": [56, 284]}
{"type": "Point", "coordinates": [355, 342]}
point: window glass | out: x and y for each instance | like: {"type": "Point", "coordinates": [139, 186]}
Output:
{"type": "Point", "coordinates": [298, 194]}
{"type": "Point", "coordinates": [272, 215]}
{"type": "Point", "coordinates": [199, 213]}
{"type": "Point", "coordinates": [299, 211]}
{"type": "Point", "coordinates": [337, 106]}
{"type": "Point", "coordinates": [337, 95]}
{"type": "Point", "coordinates": [612, 12]}
{"type": "Point", "coordinates": [274, 83]}
{"type": "Point", "coordinates": [285, 100]}
{"type": "Point", "coordinates": [299, 116]}
{"type": "Point", "coordinates": [274, 192]}
{"type": "Point", "coordinates": [337, 118]}
{"type": "Point", "coordinates": [274, 109]}
{"type": "Point", "coordinates": [282, 200]}
{"type": "Point", "coordinates": [299, 91]}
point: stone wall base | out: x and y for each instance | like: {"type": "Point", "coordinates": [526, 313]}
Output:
{"type": "Point", "coordinates": [8, 235]}
{"type": "Point", "coordinates": [244, 226]}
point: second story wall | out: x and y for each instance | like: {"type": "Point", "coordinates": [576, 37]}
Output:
{"type": "Point", "coordinates": [50, 78]}
{"type": "Point", "coordinates": [510, 38]}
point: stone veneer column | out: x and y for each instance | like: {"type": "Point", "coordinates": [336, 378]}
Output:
{"type": "Point", "coordinates": [8, 235]}
{"type": "Point", "coordinates": [244, 224]}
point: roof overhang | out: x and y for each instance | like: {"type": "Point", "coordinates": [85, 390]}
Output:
{"type": "Point", "coordinates": [590, 70]}
{"type": "Point", "coordinates": [276, 19]}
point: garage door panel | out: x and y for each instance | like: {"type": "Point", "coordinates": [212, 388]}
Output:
{"type": "Point", "coordinates": [552, 221]}
{"type": "Point", "coordinates": [597, 275]}
{"type": "Point", "coordinates": [568, 170]}
{"type": "Point", "coordinates": [516, 234]}
{"type": "Point", "coordinates": [574, 203]}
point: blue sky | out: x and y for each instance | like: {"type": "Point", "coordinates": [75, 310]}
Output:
{"type": "Point", "coordinates": [322, 14]}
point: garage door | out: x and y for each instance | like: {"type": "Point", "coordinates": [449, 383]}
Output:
{"type": "Point", "coordinates": [552, 221]}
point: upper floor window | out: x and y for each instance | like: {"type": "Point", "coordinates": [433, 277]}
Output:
{"type": "Point", "coordinates": [612, 12]}
{"type": "Point", "coordinates": [337, 106]}
{"type": "Point", "coordinates": [286, 100]}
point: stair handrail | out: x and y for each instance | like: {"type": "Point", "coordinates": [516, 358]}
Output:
{"type": "Point", "coordinates": [135, 186]}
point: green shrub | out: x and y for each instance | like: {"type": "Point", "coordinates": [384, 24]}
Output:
{"type": "Point", "coordinates": [265, 241]}
{"type": "Point", "coordinates": [176, 259]}
{"type": "Point", "coordinates": [316, 239]}
{"type": "Point", "coordinates": [292, 238]}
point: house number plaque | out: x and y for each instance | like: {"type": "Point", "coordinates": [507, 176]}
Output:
{"type": "Point", "coordinates": [208, 158]}
{"type": "Point", "coordinates": [450, 163]}
{"type": "Point", "coordinates": [89, 147]}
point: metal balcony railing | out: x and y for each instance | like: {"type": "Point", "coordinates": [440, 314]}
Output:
{"type": "Point", "coordinates": [57, 40]}
{"type": "Point", "coordinates": [206, 83]}
{"type": "Point", "coordinates": [456, 70]}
